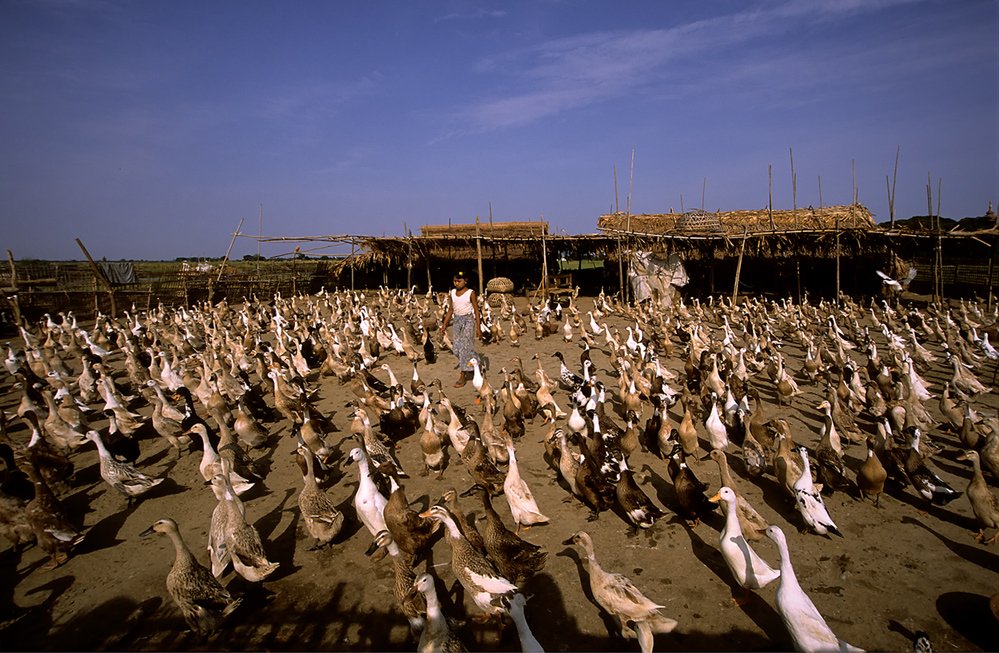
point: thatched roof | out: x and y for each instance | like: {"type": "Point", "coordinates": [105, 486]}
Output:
{"type": "Point", "coordinates": [488, 229]}
{"type": "Point", "coordinates": [736, 223]}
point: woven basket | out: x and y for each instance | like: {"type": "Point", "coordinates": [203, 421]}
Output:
{"type": "Point", "coordinates": [499, 284]}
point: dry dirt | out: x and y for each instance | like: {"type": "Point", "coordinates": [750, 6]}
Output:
{"type": "Point", "coordinates": [905, 567]}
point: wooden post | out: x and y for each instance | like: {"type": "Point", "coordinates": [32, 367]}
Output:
{"type": "Point", "coordinates": [544, 261]}
{"type": "Point", "coordinates": [992, 263]}
{"type": "Point", "coordinates": [794, 191]}
{"type": "Point", "coordinates": [409, 256]}
{"type": "Point", "coordinates": [352, 246]}
{"type": "Point", "coordinates": [294, 273]}
{"type": "Point", "coordinates": [929, 214]}
{"type": "Point", "coordinates": [100, 277]}
{"type": "Point", "coordinates": [620, 267]}
{"type": "Point", "coordinates": [617, 207]}
{"type": "Point", "coordinates": [738, 266]}
{"type": "Point", "coordinates": [12, 297]}
{"type": "Point", "coordinates": [770, 191]}
{"type": "Point", "coordinates": [492, 236]}
{"type": "Point", "coordinates": [891, 202]}
{"type": "Point", "coordinates": [478, 252]}
{"type": "Point", "coordinates": [226, 258]}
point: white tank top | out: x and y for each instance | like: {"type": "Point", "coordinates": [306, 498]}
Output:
{"type": "Point", "coordinates": [461, 304]}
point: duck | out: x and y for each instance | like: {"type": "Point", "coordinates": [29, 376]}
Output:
{"type": "Point", "coordinates": [382, 457]}
{"type": "Point", "coordinates": [481, 467]}
{"type": "Point", "coordinates": [412, 534]}
{"type": "Point", "coordinates": [637, 507]}
{"type": "Point", "coordinates": [594, 489]}
{"type": "Point", "coordinates": [829, 454]}
{"type": "Point", "coordinates": [368, 501]}
{"type": "Point", "coordinates": [751, 572]}
{"type": "Point", "coordinates": [413, 606]}
{"type": "Point", "coordinates": [124, 478]}
{"type": "Point", "coordinates": [620, 598]}
{"type": "Point", "coordinates": [436, 635]}
{"type": "Point", "coordinates": [242, 541]}
{"type": "Point", "coordinates": [567, 461]}
{"type": "Point", "coordinates": [514, 558]}
{"type": "Point", "coordinates": [754, 457]}
{"type": "Point", "coordinates": [432, 449]}
{"type": "Point", "coordinates": [467, 527]}
{"type": "Point", "coordinates": [515, 606]}
{"type": "Point", "coordinates": [16, 490]}
{"type": "Point", "coordinates": [456, 430]}
{"type": "Point", "coordinates": [53, 464]}
{"type": "Point", "coordinates": [686, 433]}
{"type": "Point", "coordinates": [983, 503]}
{"type": "Point", "coordinates": [483, 584]}
{"type": "Point", "coordinates": [923, 479]}
{"type": "Point", "coordinates": [751, 522]}
{"type": "Point", "coordinates": [322, 519]}
{"type": "Point", "coordinates": [402, 419]}
{"type": "Point", "coordinates": [689, 491]}
{"type": "Point", "coordinates": [717, 433]}
{"type": "Point", "coordinates": [479, 382]}
{"type": "Point", "coordinates": [203, 602]}
{"type": "Point", "coordinates": [54, 532]}
{"type": "Point", "coordinates": [523, 507]}
{"type": "Point", "coordinates": [249, 430]}
{"type": "Point", "coordinates": [807, 627]}
{"type": "Point", "coordinates": [211, 463]}
{"type": "Point", "coordinates": [809, 501]}
{"type": "Point", "coordinates": [786, 462]}
{"type": "Point", "coordinates": [872, 475]}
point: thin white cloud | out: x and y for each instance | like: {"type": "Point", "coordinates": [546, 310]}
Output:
{"type": "Point", "coordinates": [477, 14]}
{"type": "Point", "coordinates": [573, 72]}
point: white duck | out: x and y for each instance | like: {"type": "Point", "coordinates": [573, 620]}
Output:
{"type": "Point", "coordinates": [211, 464]}
{"type": "Point", "coordinates": [809, 501]}
{"type": "Point", "coordinates": [751, 571]}
{"type": "Point", "coordinates": [717, 433]}
{"type": "Point", "coordinates": [368, 501]}
{"type": "Point", "coordinates": [523, 507]}
{"type": "Point", "coordinates": [808, 629]}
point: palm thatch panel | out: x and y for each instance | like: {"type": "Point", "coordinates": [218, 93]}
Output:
{"type": "Point", "coordinates": [735, 223]}
{"type": "Point", "coordinates": [493, 229]}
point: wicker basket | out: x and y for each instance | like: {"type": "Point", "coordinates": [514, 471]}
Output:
{"type": "Point", "coordinates": [499, 284]}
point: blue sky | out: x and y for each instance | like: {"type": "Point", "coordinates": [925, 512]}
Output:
{"type": "Point", "coordinates": [148, 129]}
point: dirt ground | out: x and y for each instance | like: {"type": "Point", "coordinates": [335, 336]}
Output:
{"type": "Point", "coordinates": [908, 566]}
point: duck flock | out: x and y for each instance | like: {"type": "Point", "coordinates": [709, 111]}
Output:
{"type": "Point", "coordinates": [766, 475]}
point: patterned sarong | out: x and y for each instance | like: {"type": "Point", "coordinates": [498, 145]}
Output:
{"type": "Point", "coordinates": [464, 340]}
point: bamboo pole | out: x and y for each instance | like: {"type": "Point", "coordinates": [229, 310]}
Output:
{"type": "Point", "coordinates": [940, 239]}
{"type": "Point", "coordinates": [794, 190]}
{"type": "Point", "coordinates": [352, 246]}
{"type": "Point", "coordinates": [891, 201]}
{"type": "Point", "coordinates": [409, 256]}
{"type": "Point", "coordinates": [620, 268]}
{"type": "Point", "coordinates": [12, 297]}
{"type": "Point", "coordinates": [738, 266]}
{"type": "Point", "coordinates": [544, 261]}
{"type": "Point", "coordinates": [492, 237]}
{"type": "Point", "coordinates": [617, 206]}
{"type": "Point", "coordinates": [770, 195]}
{"type": "Point", "coordinates": [100, 277]}
{"type": "Point", "coordinates": [929, 212]}
{"type": "Point", "coordinates": [478, 251]}
{"type": "Point", "coordinates": [226, 258]}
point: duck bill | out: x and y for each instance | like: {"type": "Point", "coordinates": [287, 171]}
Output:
{"type": "Point", "coordinates": [716, 498]}
{"type": "Point", "coordinates": [146, 532]}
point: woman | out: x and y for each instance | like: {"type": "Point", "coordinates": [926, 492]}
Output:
{"type": "Point", "coordinates": [464, 306]}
